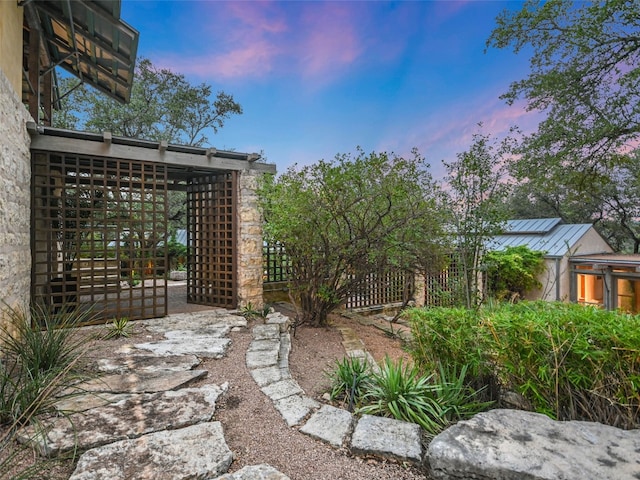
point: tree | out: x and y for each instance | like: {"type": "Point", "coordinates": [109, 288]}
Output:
{"type": "Point", "coordinates": [585, 76]}
{"type": "Point", "coordinates": [611, 203]}
{"type": "Point", "coordinates": [163, 106]}
{"type": "Point", "coordinates": [476, 194]}
{"type": "Point", "coordinates": [342, 220]}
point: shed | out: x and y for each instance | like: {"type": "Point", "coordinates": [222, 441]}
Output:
{"type": "Point", "coordinates": [560, 242]}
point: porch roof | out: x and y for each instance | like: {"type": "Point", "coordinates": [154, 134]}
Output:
{"type": "Point", "coordinates": [610, 260]}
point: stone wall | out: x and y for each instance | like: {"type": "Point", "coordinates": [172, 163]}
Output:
{"type": "Point", "coordinates": [250, 241]}
{"type": "Point", "coordinates": [15, 196]}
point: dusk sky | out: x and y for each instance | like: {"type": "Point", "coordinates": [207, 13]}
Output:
{"type": "Point", "coordinates": [320, 78]}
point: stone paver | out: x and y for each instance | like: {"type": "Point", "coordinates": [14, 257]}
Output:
{"type": "Point", "coordinates": [329, 424]}
{"type": "Point", "coordinates": [147, 363]}
{"type": "Point", "coordinates": [282, 389]}
{"type": "Point", "coordinates": [142, 382]}
{"type": "Point", "coordinates": [198, 452]}
{"type": "Point", "coordinates": [132, 417]}
{"type": "Point", "coordinates": [294, 409]}
{"type": "Point", "coordinates": [387, 437]}
{"type": "Point", "coordinates": [208, 346]}
{"type": "Point", "coordinates": [255, 472]}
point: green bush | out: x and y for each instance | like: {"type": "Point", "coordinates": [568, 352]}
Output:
{"type": "Point", "coordinates": [402, 392]}
{"type": "Point", "coordinates": [37, 368]}
{"type": "Point", "coordinates": [513, 272]}
{"type": "Point", "coordinates": [349, 380]}
{"type": "Point", "coordinates": [570, 361]}
{"type": "Point", "coordinates": [37, 364]}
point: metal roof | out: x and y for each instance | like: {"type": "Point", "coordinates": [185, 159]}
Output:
{"type": "Point", "coordinates": [531, 226]}
{"type": "Point", "coordinates": [88, 39]}
{"type": "Point", "coordinates": [546, 235]}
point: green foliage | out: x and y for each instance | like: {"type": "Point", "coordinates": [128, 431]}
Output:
{"type": "Point", "coordinates": [570, 361]}
{"type": "Point", "coordinates": [249, 311]}
{"type": "Point", "coordinates": [163, 106]}
{"type": "Point", "coordinates": [37, 369]}
{"type": "Point", "coordinates": [450, 336]}
{"type": "Point", "coordinates": [476, 199]}
{"type": "Point", "coordinates": [119, 327]}
{"type": "Point", "coordinates": [36, 364]}
{"type": "Point", "coordinates": [340, 221]}
{"type": "Point", "coordinates": [349, 381]}
{"type": "Point", "coordinates": [513, 272]}
{"type": "Point", "coordinates": [402, 392]}
{"type": "Point", "coordinates": [584, 71]}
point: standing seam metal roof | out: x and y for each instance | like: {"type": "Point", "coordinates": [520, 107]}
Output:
{"type": "Point", "coordinates": [547, 235]}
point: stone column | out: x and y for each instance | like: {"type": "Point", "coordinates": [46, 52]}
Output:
{"type": "Point", "coordinates": [250, 268]}
{"type": "Point", "coordinates": [15, 199]}
{"type": "Point", "coordinates": [419, 290]}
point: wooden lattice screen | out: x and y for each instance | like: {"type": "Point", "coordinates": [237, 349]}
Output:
{"type": "Point", "coordinates": [276, 263]}
{"type": "Point", "coordinates": [211, 240]}
{"type": "Point", "coordinates": [98, 232]}
{"type": "Point", "coordinates": [442, 289]}
{"type": "Point", "coordinates": [380, 289]}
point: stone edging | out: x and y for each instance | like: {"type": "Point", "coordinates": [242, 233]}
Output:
{"type": "Point", "coordinates": [268, 361]}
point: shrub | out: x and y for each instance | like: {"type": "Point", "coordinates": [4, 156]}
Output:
{"type": "Point", "coordinates": [37, 367]}
{"type": "Point", "coordinates": [570, 361]}
{"type": "Point", "coordinates": [433, 402]}
{"type": "Point", "coordinates": [513, 272]}
{"type": "Point", "coordinates": [349, 381]}
{"type": "Point", "coordinates": [119, 327]}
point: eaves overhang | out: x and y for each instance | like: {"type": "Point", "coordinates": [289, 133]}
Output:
{"type": "Point", "coordinates": [89, 40]}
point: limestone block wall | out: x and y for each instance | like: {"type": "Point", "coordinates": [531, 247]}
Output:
{"type": "Point", "coordinates": [15, 196]}
{"type": "Point", "coordinates": [250, 241]}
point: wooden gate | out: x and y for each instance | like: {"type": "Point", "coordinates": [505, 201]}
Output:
{"type": "Point", "coordinates": [211, 240]}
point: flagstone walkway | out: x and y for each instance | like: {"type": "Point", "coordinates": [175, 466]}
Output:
{"type": "Point", "coordinates": [143, 420]}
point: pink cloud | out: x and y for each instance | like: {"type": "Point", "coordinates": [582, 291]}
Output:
{"type": "Point", "coordinates": [253, 39]}
{"type": "Point", "coordinates": [330, 39]}
{"type": "Point", "coordinates": [443, 137]}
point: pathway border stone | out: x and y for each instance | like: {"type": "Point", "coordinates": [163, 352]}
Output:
{"type": "Point", "coordinates": [269, 367]}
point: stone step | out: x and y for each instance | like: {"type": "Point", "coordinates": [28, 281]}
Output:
{"type": "Point", "coordinates": [198, 452]}
{"type": "Point", "coordinates": [255, 472]}
{"type": "Point", "coordinates": [131, 417]}
{"type": "Point", "coordinates": [141, 382]}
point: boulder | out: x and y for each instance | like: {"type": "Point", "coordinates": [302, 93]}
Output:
{"type": "Point", "coordinates": [517, 445]}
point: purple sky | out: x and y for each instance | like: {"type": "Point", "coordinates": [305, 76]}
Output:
{"type": "Point", "coordinates": [320, 78]}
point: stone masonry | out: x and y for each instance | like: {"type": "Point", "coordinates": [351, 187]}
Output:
{"type": "Point", "coordinates": [15, 196]}
{"type": "Point", "coordinates": [249, 241]}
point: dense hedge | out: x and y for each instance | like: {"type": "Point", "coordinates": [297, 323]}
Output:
{"type": "Point", "coordinates": [569, 361]}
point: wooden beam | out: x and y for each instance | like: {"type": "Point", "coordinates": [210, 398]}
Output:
{"type": "Point", "coordinates": [34, 74]}
{"type": "Point", "coordinates": [75, 146]}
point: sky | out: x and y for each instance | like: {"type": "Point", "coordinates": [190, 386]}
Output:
{"type": "Point", "coordinates": [317, 78]}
